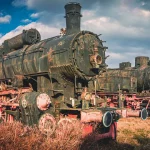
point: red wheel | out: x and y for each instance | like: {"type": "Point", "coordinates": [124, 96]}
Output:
{"type": "Point", "coordinates": [64, 127]}
{"type": "Point", "coordinates": [47, 124]}
{"type": "Point", "coordinates": [64, 124]}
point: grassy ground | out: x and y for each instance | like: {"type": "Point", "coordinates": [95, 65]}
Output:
{"type": "Point", "coordinates": [133, 134]}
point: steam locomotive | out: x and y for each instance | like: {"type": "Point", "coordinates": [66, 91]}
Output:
{"type": "Point", "coordinates": [127, 88]}
{"type": "Point", "coordinates": [46, 82]}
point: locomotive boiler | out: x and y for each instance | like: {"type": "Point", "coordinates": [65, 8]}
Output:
{"type": "Point", "coordinates": [46, 82]}
{"type": "Point", "coordinates": [127, 88]}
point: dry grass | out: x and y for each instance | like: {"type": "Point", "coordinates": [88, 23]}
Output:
{"type": "Point", "coordinates": [17, 137]}
{"type": "Point", "coordinates": [133, 134]}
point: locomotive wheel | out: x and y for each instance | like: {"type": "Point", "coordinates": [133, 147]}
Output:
{"type": "Point", "coordinates": [64, 126]}
{"type": "Point", "coordinates": [47, 124]}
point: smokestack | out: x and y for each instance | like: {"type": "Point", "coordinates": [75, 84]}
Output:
{"type": "Point", "coordinates": [72, 17]}
{"type": "Point", "coordinates": [141, 61]}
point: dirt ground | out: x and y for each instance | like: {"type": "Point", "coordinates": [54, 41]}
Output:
{"type": "Point", "coordinates": [132, 134]}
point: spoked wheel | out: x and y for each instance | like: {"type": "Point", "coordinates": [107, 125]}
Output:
{"type": "Point", "coordinates": [47, 124]}
{"type": "Point", "coordinates": [65, 126]}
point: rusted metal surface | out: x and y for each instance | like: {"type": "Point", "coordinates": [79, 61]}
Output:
{"type": "Point", "coordinates": [143, 114]}
{"type": "Point", "coordinates": [124, 65]}
{"type": "Point", "coordinates": [112, 133]}
{"type": "Point", "coordinates": [72, 17]}
{"type": "Point", "coordinates": [141, 61]}
{"type": "Point", "coordinates": [27, 37]}
{"type": "Point", "coordinates": [13, 91]}
{"type": "Point", "coordinates": [118, 87]}
{"type": "Point", "coordinates": [113, 80]}
{"type": "Point", "coordinates": [42, 82]}
{"type": "Point", "coordinates": [43, 101]}
{"type": "Point", "coordinates": [47, 124]}
{"type": "Point", "coordinates": [89, 116]}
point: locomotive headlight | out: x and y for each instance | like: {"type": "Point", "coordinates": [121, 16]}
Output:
{"type": "Point", "coordinates": [98, 59]}
{"type": "Point", "coordinates": [43, 101]}
{"type": "Point", "coordinates": [95, 60]}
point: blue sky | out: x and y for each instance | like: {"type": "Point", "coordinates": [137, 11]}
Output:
{"type": "Point", "coordinates": [124, 24]}
{"type": "Point", "coordinates": [14, 16]}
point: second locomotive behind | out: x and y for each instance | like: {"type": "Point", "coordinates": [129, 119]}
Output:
{"type": "Point", "coordinates": [127, 87]}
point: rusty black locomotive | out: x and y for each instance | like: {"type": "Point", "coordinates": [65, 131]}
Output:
{"type": "Point", "coordinates": [46, 82]}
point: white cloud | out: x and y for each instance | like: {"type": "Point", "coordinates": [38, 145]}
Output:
{"type": "Point", "coordinates": [143, 3]}
{"type": "Point", "coordinates": [113, 27]}
{"type": "Point", "coordinates": [36, 15]}
{"type": "Point", "coordinates": [116, 58]}
{"type": "Point", "coordinates": [25, 20]}
{"type": "Point", "coordinates": [45, 31]}
{"type": "Point", "coordinates": [116, 55]}
{"type": "Point", "coordinates": [5, 19]}
{"type": "Point", "coordinates": [124, 54]}
{"type": "Point", "coordinates": [145, 13]}
{"type": "Point", "coordinates": [88, 14]}
{"type": "Point", "coordinates": [140, 13]}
